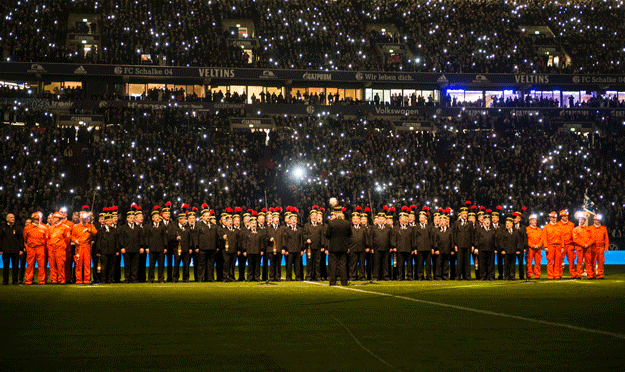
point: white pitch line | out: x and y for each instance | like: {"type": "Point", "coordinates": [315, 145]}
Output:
{"type": "Point", "coordinates": [487, 312]}
{"type": "Point", "coordinates": [361, 345]}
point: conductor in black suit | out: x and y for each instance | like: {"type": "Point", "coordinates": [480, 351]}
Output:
{"type": "Point", "coordinates": [338, 233]}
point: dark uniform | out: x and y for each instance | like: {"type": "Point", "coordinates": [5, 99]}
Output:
{"type": "Point", "coordinates": [229, 252]}
{"type": "Point", "coordinates": [142, 256]}
{"type": "Point", "coordinates": [510, 243]}
{"type": "Point", "coordinates": [444, 244]}
{"type": "Point", "coordinates": [274, 251]}
{"type": "Point", "coordinates": [293, 244]}
{"type": "Point", "coordinates": [521, 252]}
{"type": "Point", "coordinates": [254, 245]}
{"type": "Point", "coordinates": [130, 240]}
{"type": "Point", "coordinates": [357, 247]}
{"type": "Point", "coordinates": [338, 233]}
{"type": "Point", "coordinates": [172, 246]}
{"type": "Point", "coordinates": [181, 253]}
{"type": "Point", "coordinates": [485, 243]}
{"type": "Point", "coordinates": [107, 248]}
{"type": "Point", "coordinates": [312, 231]}
{"type": "Point", "coordinates": [498, 257]}
{"type": "Point", "coordinates": [404, 242]}
{"type": "Point", "coordinates": [157, 243]}
{"type": "Point", "coordinates": [208, 239]}
{"type": "Point", "coordinates": [381, 245]}
{"type": "Point", "coordinates": [463, 239]}
{"type": "Point", "coordinates": [424, 236]}
{"type": "Point", "coordinates": [11, 244]}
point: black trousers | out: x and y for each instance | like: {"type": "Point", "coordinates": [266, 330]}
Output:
{"type": "Point", "coordinates": [206, 266]}
{"type": "Point", "coordinates": [435, 258]}
{"type": "Point", "coordinates": [486, 260]}
{"type": "Point", "coordinates": [160, 258]}
{"type": "Point", "coordinates": [22, 265]}
{"type": "Point", "coordinates": [508, 269]}
{"type": "Point", "coordinates": [253, 267]}
{"type": "Point", "coordinates": [500, 265]}
{"type": "Point", "coordinates": [131, 267]}
{"type": "Point", "coordinates": [442, 266]}
{"type": "Point", "coordinates": [404, 265]}
{"type": "Point", "coordinates": [265, 261]}
{"type": "Point", "coordinates": [338, 264]}
{"type": "Point", "coordinates": [293, 260]}
{"type": "Point", "coordinates": [476, 264]}
{"type": "Point", "coordinates": [194, 259]}
{"type": "Point", "coordinates": [171, 261]}
{"type": "Point", "coordinates": [185, 257]}
{"type": "Point", "coordinates": [219, 265]}
{"type": "Point", "coordinates": [357, 266]}
{"type": "Point", "coordinates": [117, 270]}
{"type": "Point", "coordinates": [381, 265]}
{"type": "Point", "coordinates": [229, 261]}
{"type": "Point", "coordinates": [521, 260]}
{"type": "Point", "coordinates": [463, 269]}
{"type": "Point", "coordinates": [424, 257]}
{"type": "Point", "coordinates": [453, 260]}
{"type": "Point", "coordinates": [275, 266]}
{"type": "Point", "coordinates": [313, 265]}
{"type": "Point", "coordinates": [13, 259]}
{"type": "Point", "coordinates": [368, 264]}
{"type": "Point", "coordinates": [323, 269]}
{"type": "Point", "coordinates": [242, 260]}
{"type": "Point", "coordinates": [95, 276]}
{"type": "Point", "coordinates": [108, 263]}
{"type": "Point", "coordinates": [142, 266]}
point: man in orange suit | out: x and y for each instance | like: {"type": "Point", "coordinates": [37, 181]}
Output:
{"type": "Point", "coordinates": [36, 243]}
{"type": "Point", "coordinates": [57, 248]}
{"type": "Point", "coordinates": [555, 248]}
{"type": "Point", "coordinates": [583, 239]}
{"type": "Point", "coordinates": [566, 232]}
{"type": "Point", "coordinates": [69, 250]}
{"type": "Point", "coordinates": [82, 236]}
{"type": "Point", "coordinates": [600, 237]}
{"type": "Point", "coordinates": [535, 242]}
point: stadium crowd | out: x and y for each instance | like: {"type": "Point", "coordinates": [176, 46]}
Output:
{"type": "Point", "coordinates": [453, 36]}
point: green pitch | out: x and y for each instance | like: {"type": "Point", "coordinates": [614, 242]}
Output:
{"type": "Point", "coordinates": [295, 326]}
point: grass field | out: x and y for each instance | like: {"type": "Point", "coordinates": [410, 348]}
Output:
{"type": "Point", "coordinates": [299, 326]}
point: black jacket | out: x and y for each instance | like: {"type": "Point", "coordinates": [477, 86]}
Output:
{"type": "Point", "coordinates": [314, 234]}
{"type": "Point", "coordinates": [403, 239]}
{"type": "Point", "coordinates": [338, 233]}
{"type": "Point", "coordinates": [278, 238]}
{"type": "Point", "coordinates": [293, 239]}
{"type": "Point", "coordinates": [130, 238]}
{"type": "Point", "coordinates": [463, 234]}
{"type": "Point", "coordinates": [185, 237]}
{"type": "Point", "coordinates": [358, 240]}
{"type": "Point", "coordinates": [444, 240]}
{"type": "Point", "coordinates": [485, 240]}
{"type": "Point", "coordinates": [424, 238]}
{"type": "Point", "coordinates": [208, 236]}
{"type": "Point", "coordinates": [11, 239]}
{"type": "Point", "coordinates": [156, 237]}
{"type": "Point", "coordinates": [510, 243]}
{"type": "Point", "coordinates": [106, 241]}
{"type": "Point", "coordinates": [233, 242]}
{"type": "Point", "coordinates": [255, 241]}
{"type": "Point", "coordinates": [380, 238]}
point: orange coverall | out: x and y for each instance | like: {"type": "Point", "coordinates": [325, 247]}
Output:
{"type": "Point", "coordinates": [602, 242]}
{"type": "Point", "coordinates": [535, 236]}
{"type": "Point", "coordinates": [582, 237]}
{"type": "Point", "coordinates": [566, 231]}
{"type": "Point", "coordinates": [553, 242]}
{"type": "Point", "coordinates": [36, 242]}
{"type": "Point", "coordinates": [68, 253]}
{"type": "Point", "coordinates": [57, 250]}
{"type": "Point", "coordinates": [83, 235]}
